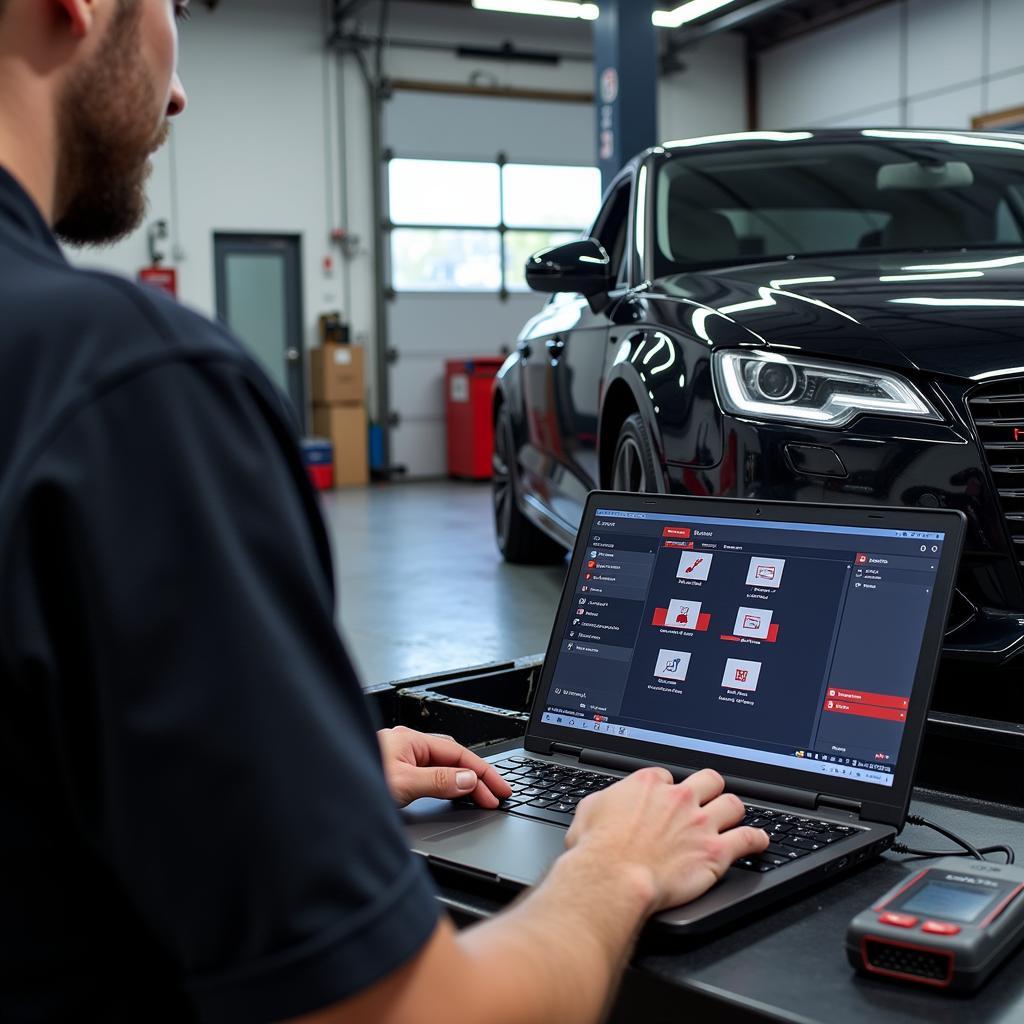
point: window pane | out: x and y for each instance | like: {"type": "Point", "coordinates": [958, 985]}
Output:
{"type": "Point", "coordinates": [444, 192]}
{"type": "Point", "coordinates": [555, 197]}
{"type": "Point", "coordinates": [521, 245]}
{"type": "Point", "coordinates": [443, 260]}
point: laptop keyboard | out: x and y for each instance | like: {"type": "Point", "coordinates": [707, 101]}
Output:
{"type": "Point", "coordinates": [550, 792]}
{"type": "Point", "coordinates": [792, 837]}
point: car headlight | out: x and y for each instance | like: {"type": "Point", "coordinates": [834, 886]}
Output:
{"type": "Point", "coordinates": [771, 386]}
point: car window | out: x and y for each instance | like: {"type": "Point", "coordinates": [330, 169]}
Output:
{"type": "Point", "coordinates": [610, 230]}
{"type": "Point", "coordinates": [774, 230]}
{"type": "Point", "coordinates": [729, 206]}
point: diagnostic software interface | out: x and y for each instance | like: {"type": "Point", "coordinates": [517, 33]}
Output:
{"type": "Point", "coordinates": [782, 643]}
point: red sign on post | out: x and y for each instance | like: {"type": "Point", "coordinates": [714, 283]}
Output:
{"type": "Point", "coordinates": [164, 278]}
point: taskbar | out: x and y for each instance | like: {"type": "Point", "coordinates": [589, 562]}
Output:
{"type": "Point", "coordinates": [798, 761]}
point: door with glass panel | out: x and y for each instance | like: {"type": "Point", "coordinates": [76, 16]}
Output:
{"type": "Point", "coordinates": [460, 234]}
{"type": "Point", "coordinates": [259, 296]}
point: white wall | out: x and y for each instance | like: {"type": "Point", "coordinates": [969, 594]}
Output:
{"type": "Point", "coordinates": [251, 151]}
{"type": "Point", "coordinates": [912, 63]}
{"type": "Point", "coordinates": [710, 96]}
{"type": "Point", "coordinates": [276, 136]}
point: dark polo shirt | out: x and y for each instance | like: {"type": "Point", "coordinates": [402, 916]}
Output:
{"type": "Point", "coordinates": [193, 821]}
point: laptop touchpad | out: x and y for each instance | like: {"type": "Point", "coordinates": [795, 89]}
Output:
{"type": "Point", "coordinates": [512, 848]}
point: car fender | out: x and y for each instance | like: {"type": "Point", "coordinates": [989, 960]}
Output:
{"type": "Point", "coordinates": [621, 380]}
{"type": "Point", "coordinates": [668, 375]}
{"type": "Point", "coordinates": [508, 389]}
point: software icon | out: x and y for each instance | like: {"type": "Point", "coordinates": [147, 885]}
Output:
{"type": "Point", "coordinates": [755, 623]}
{"type": "Point", "coordinates": [694, 566]}
{"type": "Point", "coordinates": [683, 615]}
{"type": "Point", "coordinates": [672, 665]}
{"type": "Point", "coordinates": [741, 675]}
{"type": "Point", "coordinates": [765, 572]}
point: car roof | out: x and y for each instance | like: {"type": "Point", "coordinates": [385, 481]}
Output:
{"type": "Point", "coordinates": [751, 139]}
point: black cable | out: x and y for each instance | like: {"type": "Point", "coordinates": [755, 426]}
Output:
{"type": "Point", "coordinates": [984, 850]}
{"type": "Point", "coordinates": [967, 850]}
{"type": "Point", "coordinates": [916, 819]}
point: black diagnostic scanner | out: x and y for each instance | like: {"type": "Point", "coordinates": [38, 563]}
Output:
{"type": "Point", "coordinates": [949, 925]}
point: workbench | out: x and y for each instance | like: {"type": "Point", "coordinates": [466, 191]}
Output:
{"type": "Point", "coordinates": [787, 963]}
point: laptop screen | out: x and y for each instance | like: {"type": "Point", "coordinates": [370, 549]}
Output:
{"type": "Point", "coordinates": [781, 643]}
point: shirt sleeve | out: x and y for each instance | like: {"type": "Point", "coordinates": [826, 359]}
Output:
{"type": "Point", "coordinates": [175, 603]}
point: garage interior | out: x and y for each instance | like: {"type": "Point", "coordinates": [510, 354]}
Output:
{"type": "Point", "coordinates": [358, 85]}
{"type": "Point", "coordinates": [355, 192]}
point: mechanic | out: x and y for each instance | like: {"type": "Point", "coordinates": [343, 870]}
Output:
{"type": "Point", "coordinates": [195, 821]}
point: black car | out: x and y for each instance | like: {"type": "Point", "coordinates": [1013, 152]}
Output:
{"type": "Point", "coordinates": [808, 315]}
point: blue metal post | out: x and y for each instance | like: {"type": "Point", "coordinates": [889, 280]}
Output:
{"type": "Point", "coordinates": [626, 87]}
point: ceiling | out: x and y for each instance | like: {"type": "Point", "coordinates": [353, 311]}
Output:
{"type": "Point", "coordinates": [763, 22]}
{"type": "Point", "coordinates": [767, 22]}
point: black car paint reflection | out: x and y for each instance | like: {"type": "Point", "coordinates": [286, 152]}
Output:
{"type": "Point", "coordinates": [942, 313]}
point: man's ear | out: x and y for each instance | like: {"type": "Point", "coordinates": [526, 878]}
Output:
{"type": "Point", "coordinates": [79, 15]}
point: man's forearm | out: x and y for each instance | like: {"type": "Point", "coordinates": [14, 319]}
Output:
{"type": "Point", "coordinates": [553, 958]}
{"type": "Point", "coordinates": [558, 954]}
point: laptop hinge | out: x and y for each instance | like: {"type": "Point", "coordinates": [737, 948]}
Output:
{"type": "Point", "coordinates": [839, 803]}
{"type": "Point", "coordinates": [540, 745]}
{"type": "Point", "coordinates": [566, 748]}
{"type": "Point", "coordinates": [537, 744]}
{"type": "Point", "coordinates": [769, 792]}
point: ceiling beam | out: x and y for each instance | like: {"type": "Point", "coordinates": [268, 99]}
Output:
{"type": "Point", "coordinates": [684, 37]}
{"type": "Point", "coordinates": [816, 21]}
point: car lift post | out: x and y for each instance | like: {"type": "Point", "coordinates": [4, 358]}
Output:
{"type": "Point", "coordinates": [626, 86]}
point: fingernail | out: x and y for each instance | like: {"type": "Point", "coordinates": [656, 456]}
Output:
{"type": "Point", "coordinates": [465, 780]}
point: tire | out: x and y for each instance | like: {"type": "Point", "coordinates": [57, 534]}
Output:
{"type": "Point", "coordinates": [519, 541]}
{"type": "Point", "coordinates": [634, 467]}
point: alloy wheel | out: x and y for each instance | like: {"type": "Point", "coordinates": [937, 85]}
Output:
{"type": "Point", "coordinates": [501, 480]}
{"type": "Point", "coordinates": [628, 473]}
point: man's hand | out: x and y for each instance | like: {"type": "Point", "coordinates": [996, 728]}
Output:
{"type": "Point", "coordinates": [676, 840]}
{"type": "Point", "coordinates": [642, 845]}
{"type": "Point", "coordinates": [417, 764]}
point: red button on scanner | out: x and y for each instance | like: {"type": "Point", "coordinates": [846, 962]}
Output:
{"type": "Point", "coordinates": [940, 928]}
{"type": "Point", "coordinates": [898, 920]}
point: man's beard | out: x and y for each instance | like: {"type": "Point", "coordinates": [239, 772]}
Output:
{"type": "Point", "coordinates": [106, 137]}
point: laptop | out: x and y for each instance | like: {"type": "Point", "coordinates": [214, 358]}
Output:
{"type": "Point", "coordinates": [793, 647]}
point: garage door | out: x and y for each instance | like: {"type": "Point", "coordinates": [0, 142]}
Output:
{"type": "Point", "coordinates": [474, 185]}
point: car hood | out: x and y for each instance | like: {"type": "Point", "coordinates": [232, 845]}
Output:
{"type": "Point", "coordinates": [958, 314]}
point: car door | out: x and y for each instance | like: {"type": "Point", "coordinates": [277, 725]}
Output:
{"type": "Point", "coordinates": [563, 367]}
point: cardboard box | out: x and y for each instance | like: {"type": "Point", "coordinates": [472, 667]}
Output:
{"type": "Point", "coordinates": [346, 427]}
{"type": "Point", "coordinates": [332, 330]}
{"type": "Point", "coordinates": [336, 372]}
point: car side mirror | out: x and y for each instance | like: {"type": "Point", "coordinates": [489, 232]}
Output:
{"type": "Point", "coordinates": [582, 266]}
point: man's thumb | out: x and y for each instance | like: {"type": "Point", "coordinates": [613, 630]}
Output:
{"type": "Point", "coordinates": [445, 783]}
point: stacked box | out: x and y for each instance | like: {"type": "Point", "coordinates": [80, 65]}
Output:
{"type": "Point", "coordinates": [339, 410]}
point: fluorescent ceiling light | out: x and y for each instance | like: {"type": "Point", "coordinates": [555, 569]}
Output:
{"type": "Point", "coordinates": [958, 275]}
{"type": "Point", "coordinates": [952, 138]}
{"type": "Point", "coordinates": [962, 304]}
{"type": "Point", "coordinates": [711, 140]}
{"type": "Point", "coordinates": [1005, 261]}
{"type": "Point", "coordinates": [689, 11]}
{"type": "Point", "coordinates": [793, 281]}
{"type": "Point", "coordinates": [547, 8]}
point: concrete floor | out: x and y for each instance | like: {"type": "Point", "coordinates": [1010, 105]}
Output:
{"type": "Point", "coordinates": [422, 587]}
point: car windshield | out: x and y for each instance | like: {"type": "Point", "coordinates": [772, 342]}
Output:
{"type": "Point", "coordinates": [799, 198]}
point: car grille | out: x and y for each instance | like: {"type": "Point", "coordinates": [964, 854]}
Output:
{"type": "Point", "coordinates": [998, 412]}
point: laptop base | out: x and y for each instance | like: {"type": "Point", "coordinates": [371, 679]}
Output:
{"type": "Point", "coordinates": [510, 850]}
